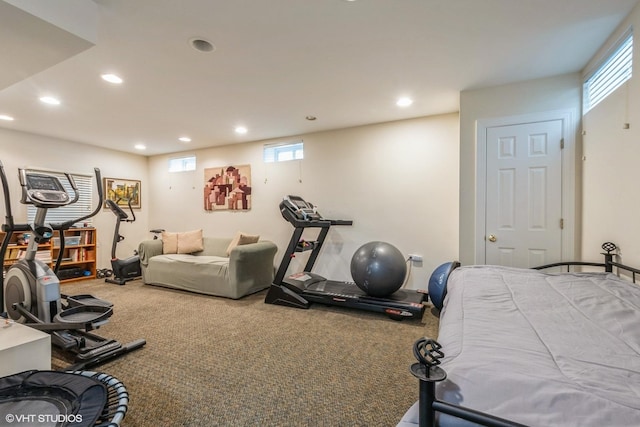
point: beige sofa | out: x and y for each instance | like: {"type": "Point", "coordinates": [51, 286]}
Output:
{"type": "Point", "coordinates": [247, 268]}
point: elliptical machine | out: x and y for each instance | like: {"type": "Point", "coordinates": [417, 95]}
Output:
{"type": "Point", "coordinates": [128, 269]}
{"type": "Point", "coordinates": [31, 290]}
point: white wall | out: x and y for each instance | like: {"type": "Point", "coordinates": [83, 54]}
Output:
{"type": "Point", "coordinates": [19, 149]}
{"type": "Point", "coordinates": [559, 93]}
{"type": "Point", "coordinates": [611, 153]}
{"type": "Point", "coordinates": [397, 181]}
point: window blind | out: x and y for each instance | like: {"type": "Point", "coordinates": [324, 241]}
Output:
{"type": "Point", "coordinates": [616, 70]}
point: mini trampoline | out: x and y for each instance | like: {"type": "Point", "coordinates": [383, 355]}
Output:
{"type": "Point", "coordinates": [52, 398]}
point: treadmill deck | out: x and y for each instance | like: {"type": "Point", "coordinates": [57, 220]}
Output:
{"type": "Point", "coordinates": [404, 303]}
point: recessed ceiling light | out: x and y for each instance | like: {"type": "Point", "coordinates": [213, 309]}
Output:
{"type": "Point", "coordinates": [404, 102]}
{"type": "Point", "coordinates": [201, 44]}
{"type": "Point", "coordinates": [241, 130]}
{"type": "Point", "coordinates": [140, 147]}
{"type": "Point", "coordinates": [111, 78]}
{"type": "Point", "coordinates": [6, 118]}
{"type": "Point", "coordinates": [50, 100]}
{"type": "Point", "coordinates": [184, 139]}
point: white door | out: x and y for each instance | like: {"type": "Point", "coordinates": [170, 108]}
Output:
{"type": "Point", "coordinates": [524, 194]}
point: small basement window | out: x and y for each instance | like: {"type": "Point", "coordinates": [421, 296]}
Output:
{"type": "Point", "coordinates": [611, 74]}
{"type": "Point", "coordinates": [283, 152]}
{"type": "Point", "coordinates": [182, 164]}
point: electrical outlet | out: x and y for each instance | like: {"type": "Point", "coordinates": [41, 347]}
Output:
{"type": "Point", "coordinates": [415, 258]}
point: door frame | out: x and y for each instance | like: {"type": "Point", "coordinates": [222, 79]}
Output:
{"type": "Point", "coordinates": [568, 202]}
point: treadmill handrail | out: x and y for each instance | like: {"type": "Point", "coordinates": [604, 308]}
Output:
{"type": "Point", "coordinates": [322, 223]}
{"type": "Point", "coordinates": [299, 224]}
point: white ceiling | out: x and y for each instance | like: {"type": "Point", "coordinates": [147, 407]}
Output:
{"type": "Point", "coordinates": [275, 62]}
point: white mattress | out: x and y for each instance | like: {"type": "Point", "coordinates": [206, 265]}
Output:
{"type": "Point", "coordinates": [542, 349]}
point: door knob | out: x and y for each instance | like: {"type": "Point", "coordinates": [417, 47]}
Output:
{"type": "Point", "coordinates": [492, 238]}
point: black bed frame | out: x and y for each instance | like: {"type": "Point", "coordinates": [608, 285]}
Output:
{"type": "Point", "coordinates": [428, 353]}
{"type": "Point", "coordinates": [608, 263]}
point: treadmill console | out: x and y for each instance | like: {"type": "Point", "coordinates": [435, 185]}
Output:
{"type": "Point", "coordinates": [301, 209]}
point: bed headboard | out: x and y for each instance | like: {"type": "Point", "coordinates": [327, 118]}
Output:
{"type": "Point", "coordinates": [608, 263]}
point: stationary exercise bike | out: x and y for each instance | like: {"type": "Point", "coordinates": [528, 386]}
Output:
{"type": "Point", "coordinates": [31, 290]}
{"type": "Point", "coordinates": [127, 269]}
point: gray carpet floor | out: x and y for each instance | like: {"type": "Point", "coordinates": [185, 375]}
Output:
{"type": "Point", "coordinates": [217, 362]}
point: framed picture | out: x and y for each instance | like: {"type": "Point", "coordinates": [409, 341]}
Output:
{"type": "Point", "coordinates": [227, 188]}
{"type": "Point", "coordinates": [122, 190]}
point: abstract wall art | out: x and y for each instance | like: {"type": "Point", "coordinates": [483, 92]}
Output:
{"type": "Point", "coordinates": [227, 188]}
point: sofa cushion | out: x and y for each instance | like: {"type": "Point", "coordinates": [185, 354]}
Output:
{"type": "Point", "coordinates": [190, 241]}
{"type": "Point", "coordinates": [204, 274]}
{"type": "Point", "coordinates": [169, 242]}
{"type": "Point", "coordinates": [181, 259]}
{"type": "Point", "coordinates": [185, 242]}
{"type": "Point", "coordinates": [242, 239]}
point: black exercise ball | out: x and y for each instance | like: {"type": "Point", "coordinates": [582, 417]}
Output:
{"type": "Point", "coordinates": [378, 268]}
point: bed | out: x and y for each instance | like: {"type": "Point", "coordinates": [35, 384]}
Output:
{"type": "Point", "coordinates": [538, 348]}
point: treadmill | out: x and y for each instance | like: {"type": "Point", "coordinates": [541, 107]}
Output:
{"type": "Point", "coordinates": [301, 289]}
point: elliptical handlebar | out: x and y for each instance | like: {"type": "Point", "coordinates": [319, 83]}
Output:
{"type": "Point", "coordinates": [8, 228]}
{"type": "Point", "coordinates": [7, 201]}
{"type": "Point", "coordinates": [72, 183]}
{"type": "Point", "coordinates": [65, 225]}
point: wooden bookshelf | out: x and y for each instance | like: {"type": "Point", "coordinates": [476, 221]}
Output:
{"type": "Point", "coordinates": [79, 255]}
{"type": "Point", "coordinates": [18, 246]}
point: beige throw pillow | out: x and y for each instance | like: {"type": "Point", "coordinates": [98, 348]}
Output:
{"type": "Point", "coordinates": [241, 239]}
{"type": "Point", "coordinates": [190, 241]}
{"type": "Point", "coordinates": [169, 243]}
{"type": "Point", "coordinates": [182, 243]}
